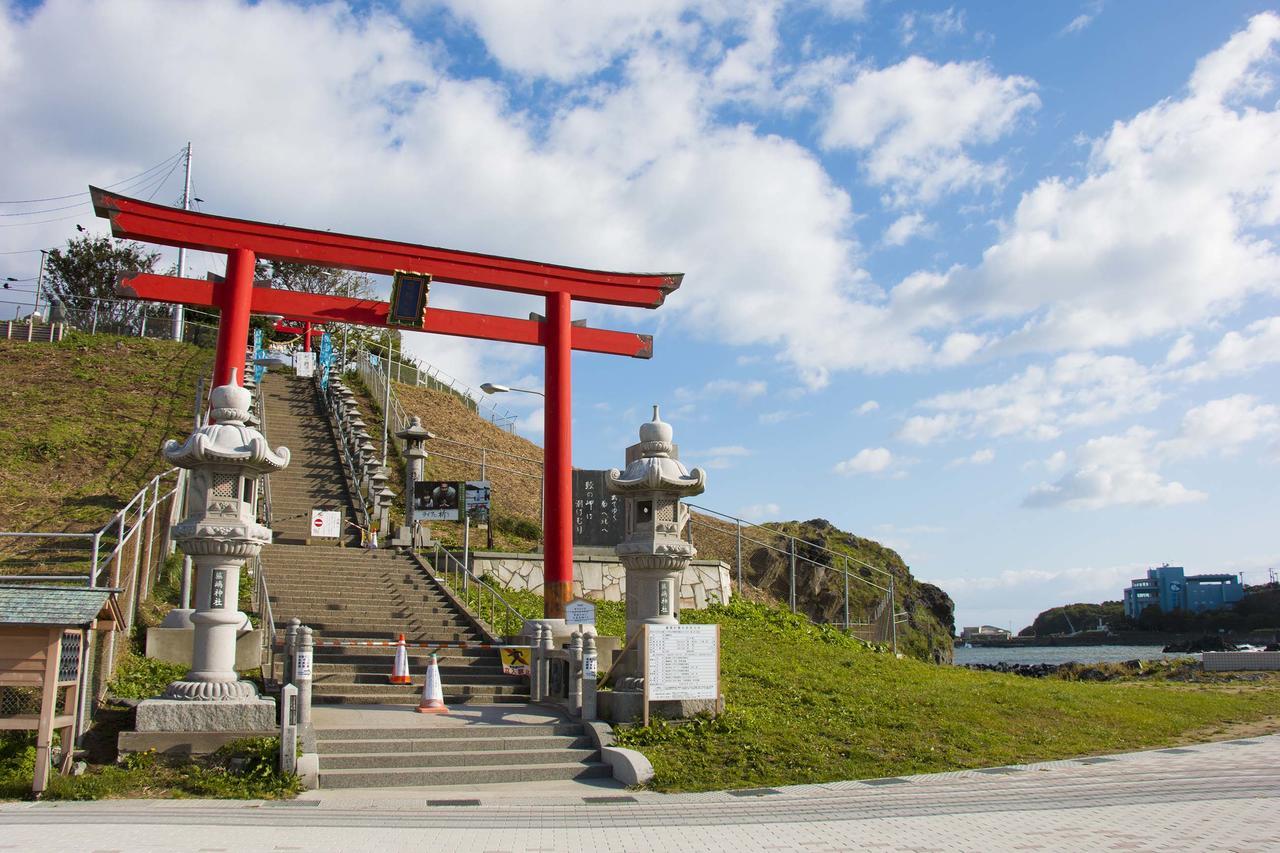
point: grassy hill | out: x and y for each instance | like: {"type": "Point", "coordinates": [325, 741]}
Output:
{"type": "Point", "coordinates": [84, 421]}
{"type": "Point", "coordinates": [820, 590]}
{"type": "Point", "coordinates": [806, 704]}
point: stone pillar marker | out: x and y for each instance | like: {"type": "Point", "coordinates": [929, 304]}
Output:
{"type": "Point", "coordinates": [415, 437]}
{"type": "Point", "coordinates": [225, 458]}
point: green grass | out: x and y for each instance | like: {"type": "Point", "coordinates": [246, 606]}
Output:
{"type": "Point", "coordinates": [611, 616]}
{"type": "Point", "coordinates": [243, 769]}
{"type": "Point", "coordinates": [808, 705]}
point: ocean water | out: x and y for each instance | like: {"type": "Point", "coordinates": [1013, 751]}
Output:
{"type": "Point", "coordinates": [1062, 654]}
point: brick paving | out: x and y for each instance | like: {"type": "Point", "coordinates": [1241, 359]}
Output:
{"type": "Point", "coordinates": [1221, 796]}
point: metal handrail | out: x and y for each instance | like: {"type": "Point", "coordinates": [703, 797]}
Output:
{"type": "Point", "coordinates": [789, 536]}
{"type": "Point", "coordinates": [465, 578]}
{"type": "Point", "coordinates": [439, 377]}
{"type": "Point", "coordinates": [348, 463]}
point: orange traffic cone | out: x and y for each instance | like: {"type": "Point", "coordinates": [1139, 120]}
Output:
{"type": "Point", "coordinates": [432, 693]}
{"type": "Point", "coordinates": [400, 670]}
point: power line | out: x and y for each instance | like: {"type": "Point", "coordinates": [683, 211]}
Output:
{"type": "Point", "coordinates": [155, 168]}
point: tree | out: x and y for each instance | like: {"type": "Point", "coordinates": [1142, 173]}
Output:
{"type": "Point", "coordinates": [86, 272]}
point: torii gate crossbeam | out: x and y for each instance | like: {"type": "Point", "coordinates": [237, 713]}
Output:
{"type": "Point", "coordinates": [244, 241]}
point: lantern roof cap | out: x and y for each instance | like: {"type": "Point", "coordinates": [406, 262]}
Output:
{"type": "Point", "coordinates": [656, 469]}
{"type": "Point", "coordinates": [415, 431]}
{"type": "Point", "coordinates": [230, 440]}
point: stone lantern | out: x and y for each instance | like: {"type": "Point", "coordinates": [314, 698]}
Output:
{"type": "Point", "coordinates": [652, 551]}
{"type": "Point", "coordinates": [226, 459]}
{"type": "Point", "coordinates": [415, 437]}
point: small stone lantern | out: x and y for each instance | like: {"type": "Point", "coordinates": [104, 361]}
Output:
{"type": "Point", "coordinates": [226, 459]}
{"type": "Point", "coordinates": [415, 437]}
{"type": "Point", "coordinates": [652, 552]}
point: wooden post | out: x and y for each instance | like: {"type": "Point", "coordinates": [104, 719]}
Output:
{"type": "Point", "coordinates": [48, 698]}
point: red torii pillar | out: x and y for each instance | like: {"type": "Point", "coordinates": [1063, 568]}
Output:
{"type": "Point", "coordinates": [244, 241]}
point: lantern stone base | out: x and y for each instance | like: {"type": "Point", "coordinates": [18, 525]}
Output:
{"type": "Point", "coordinates": [627, 706]}
{"type": "Point", "coordinates": [177, 715]}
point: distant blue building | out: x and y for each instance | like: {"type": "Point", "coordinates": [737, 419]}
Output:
{"type": "Point", "coordinates": [1169, 589]}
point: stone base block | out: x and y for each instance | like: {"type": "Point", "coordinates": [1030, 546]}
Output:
{"type": "Point", "coordinates": [622, 706]}
{"type": "Point", "coordinates": [178, 744]}
{"type": "Point", "coordinates": [172, 715]}
{"type": "Point", "coordinates": [175, 644]}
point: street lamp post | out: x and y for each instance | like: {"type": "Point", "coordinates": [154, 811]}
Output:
{"type": "Point", "coordinates": [494, 388]}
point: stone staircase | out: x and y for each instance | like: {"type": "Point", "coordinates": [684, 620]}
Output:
{"type": "Point", "coordinates": [355, 594]}
{"type": "Point", "coordinates": [350, 593]}
{"type": "Point", "coordinates": [315, 478]}
{"type": "Point", "coordinates": [464, 755]}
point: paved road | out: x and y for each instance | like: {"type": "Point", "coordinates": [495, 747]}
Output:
{"type": "Point", "coordinates": [1223, 796]}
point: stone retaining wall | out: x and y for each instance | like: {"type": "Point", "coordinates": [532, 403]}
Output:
{"type": "Point", "coordinates": [602, 576]}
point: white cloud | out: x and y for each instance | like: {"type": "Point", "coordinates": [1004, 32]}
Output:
{"type": "Point", "coordinates": [719, 457]}
{"type": "Point", "coordinates": [868, 407]}
{"type": "Point", "coordinates": [1223, 426]}
{"type": "Point", "coordinates": [1084, 19]}
{"type": "Point", "coordinates": [1114, 470]}
{"type": "Point", "coordinates": [744, 390]}
{"type": "Point", "coordinates": [1162, 233]}
{"type": "Point", "coordinates": [1240, 352]}
{"type": "Point", "coordinates": [984, 456]}
{"type": "Point", "coordinates": [869, 460]}
{"type": "Point", "coordinates": [916, 121]}
{"type": "Point", "coordinates": [779, 416]}
{"type": "Point", "coordinates": [760, 512]}
{"type": "Point", "coordinates": [1183, 348]}
{"type": "Point", "coordinates": [1079, 389]}
{"type": "Point", "coordinates": [565, 39]}
{"type": "Point", "coordinates": [919, 429]}
{"type": "Point", "coordinates": [948, 22]}
{"type": "Point", "coordinates": [904, 228]}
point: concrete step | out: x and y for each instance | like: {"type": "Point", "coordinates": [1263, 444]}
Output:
{"type": "Point", "coordinates": [485, 730]}
{"type": "Point", "coordinates": [467, 758]}
{"type": "Point", "coordinates": [459, 744]}
{"type": "Point", "coordinates": [330, 656]}
{"type": "Point", "coordinates": [381, 678]}
{"type": "Point", "coordinates": [451, 697]}
{"type": "Point", "coordinates": [383, 668]}
{"type": "Point", "coordinates": [400, 777]}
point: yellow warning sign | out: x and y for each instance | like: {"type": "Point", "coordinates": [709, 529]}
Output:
{"type": "Point", "coordinates": [515, 660]}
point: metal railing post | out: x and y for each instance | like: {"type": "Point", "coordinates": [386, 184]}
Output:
{"type": "Point", "coordinates": [893, 614]}
{"type": "Point", "coordinates": [792, 542]}
{"type": "Point", "coordinates": [93, 567]}
{"type": "Point", "coordinates": [739, 558]}
{"type": "Point", "coordinates": [846, 594]}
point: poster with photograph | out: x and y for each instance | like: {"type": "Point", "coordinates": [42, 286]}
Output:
{"type": "Point", "coordinates": [477, 506]}
{"type": "Point", "coordinates": [437, 500]}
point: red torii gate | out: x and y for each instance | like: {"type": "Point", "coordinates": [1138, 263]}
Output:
{"type": "Point", "coordinates": [305, 328]}
{"type": "Point", "coordinates": [244, 241]}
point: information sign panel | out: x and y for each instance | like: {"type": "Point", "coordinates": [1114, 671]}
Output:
{"type": "Point", "coordinates": [682, 662]}
{"type": "Point", "coordinates": [437, 500]}
{"type": "Point", "coordinates": [302, 663]}
{"type": "Point", "coordinates": [597, 515]}
{"type": "Point", "coordinates": [304, 363]}
{"type": "Point", "coordinates": [326, 524]}
{"type": "Point", "coordinates": [478, 495]}
{"type": "Point", "coordinates": [579, 612]}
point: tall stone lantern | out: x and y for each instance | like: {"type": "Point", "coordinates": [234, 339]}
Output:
{"type": "Point", "coordinates": [652, 552]}
{"type": "Point", "coordinates": [226, 459]}
{"type": "Point", "coordinates": [415, 437]}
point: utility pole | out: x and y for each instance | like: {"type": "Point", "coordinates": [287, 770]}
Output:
{"type": "Point", "coordinates": [40, 279]}
{"type": "Point", "coordinates": [179, 310]}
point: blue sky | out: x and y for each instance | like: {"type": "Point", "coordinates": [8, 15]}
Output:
{"type": "Point", "coordinates": [993, 283]}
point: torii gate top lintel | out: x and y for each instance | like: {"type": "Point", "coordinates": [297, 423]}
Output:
{"type": "Point", "coordinates": [132, 218]}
